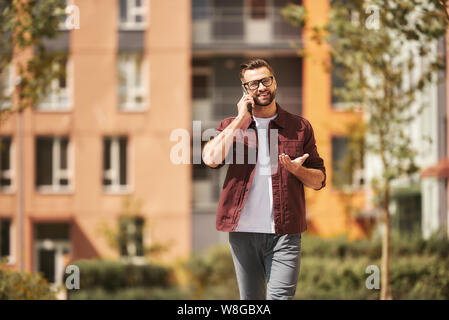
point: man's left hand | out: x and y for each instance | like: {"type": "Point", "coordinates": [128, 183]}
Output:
{"type": "Point", "coordinates": [292, 165]}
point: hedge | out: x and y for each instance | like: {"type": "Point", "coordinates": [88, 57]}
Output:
{"type": "Point", "coordinates": [106, 279]}
{"type": "Point", "coordinates": [136, 293]}
{"type": "Point", "coordinates": [336, 269]}
{"type": "Point", "coordinates": [330, 269]}
{"type": "Point", "coordinates": [211, 275]}
{"type": "Point", "coordinates": [113, 275]}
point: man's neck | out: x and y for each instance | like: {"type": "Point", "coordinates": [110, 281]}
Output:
{"type": "Point", "coordinates": [265, 111]}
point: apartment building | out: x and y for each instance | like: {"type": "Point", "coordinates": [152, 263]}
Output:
{"type": "Point", "coordinates": [100, 137]}
{"type": "Point", "coordinates": [435, 162]}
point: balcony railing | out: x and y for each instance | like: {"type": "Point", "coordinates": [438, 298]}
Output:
{"type": "Point", "coordinates": [218, 103]}
{"type": "Point", "coordinates": [231, 26]}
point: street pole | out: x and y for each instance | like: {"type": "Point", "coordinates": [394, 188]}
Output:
{"type": "Point", "coordinates": [20, 217]}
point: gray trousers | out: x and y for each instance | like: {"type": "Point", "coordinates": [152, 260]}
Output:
{"type": "Point", "coordinates": [266, 265]}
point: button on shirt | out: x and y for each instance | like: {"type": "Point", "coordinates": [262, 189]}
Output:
{"type": "Point", "coordinates": [257, 214]}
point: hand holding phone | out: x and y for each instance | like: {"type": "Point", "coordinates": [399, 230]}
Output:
{"type": "Point", "coordinates": [249, 105]}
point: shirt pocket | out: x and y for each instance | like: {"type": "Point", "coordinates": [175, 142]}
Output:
{"type": "Point", "coordinates": [293, 148]}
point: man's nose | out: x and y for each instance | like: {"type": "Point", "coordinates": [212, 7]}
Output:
{"type": "Point", "coordinates": [261, 84]}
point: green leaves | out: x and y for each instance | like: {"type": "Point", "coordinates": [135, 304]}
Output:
{"type": "Point", "coordinates": [36, 19]}
{"type": "Point", "coordinates": [294, 14]}
{"type": "Point", "coordinates": [25, 24]}
{"type": "Point", "coordinates": [24, 286]}
{"type": "Point", "coordinates": [376, 70]}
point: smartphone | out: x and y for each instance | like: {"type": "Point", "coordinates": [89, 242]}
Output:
{"type": "Point", "coordinates": [249, 105]}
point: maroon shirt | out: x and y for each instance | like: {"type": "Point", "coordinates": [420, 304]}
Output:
{"type": "Point", "coordinates": [295, 138]}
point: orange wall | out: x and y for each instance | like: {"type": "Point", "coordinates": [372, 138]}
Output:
{"type": "Point", "coordinates": [163, 188]}
{"type": "Point", "coordinates": [325, 208]}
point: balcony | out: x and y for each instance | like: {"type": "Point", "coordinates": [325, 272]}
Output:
{"type": "Point", "coordinates": [226, 28]}
{"type": "Point", "coordinates": [213, 105]}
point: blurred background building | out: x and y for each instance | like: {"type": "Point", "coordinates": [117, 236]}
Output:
{"type": "Point", "coordinates": [102, 136]}
{"type": "Point", "coordinates": [139, 69]}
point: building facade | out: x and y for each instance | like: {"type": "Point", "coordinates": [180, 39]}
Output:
{"type": "Point", "coordinates": [435, 168]}
{"type": "Point", "coordinates": [137, 71]}
{"type": "Point", "coordinates": [101, 137]}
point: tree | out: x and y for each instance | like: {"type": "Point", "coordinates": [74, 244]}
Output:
{"type": "Point", "coordinates": [24, 25]}
{"type": "Point", "coordinates": [127, 239]}
{"type": "Point", "coordinates": [15, 285]}
{"type": "Point", "coordinates": [377, 45]}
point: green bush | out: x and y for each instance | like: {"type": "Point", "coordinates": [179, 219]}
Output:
{"type": "Point", "coordinates": [113, 275]}
{"type": "Point", "coordinates": [212, 275]}
{"type": "Point", "coordinates": [136, 293]}
{"type": "Point", "coordinates": [401, 246]}
{"type": "Point", "coordinates": [335, 269]}
{"type": "Point", "coordinates": [330, 269]}
{"type": "Point", "coordinates": [104, 279]}
{"type": "Point", "coordinates": [333, 278]}
{"type": "Point", "coordinates": [16, 285]}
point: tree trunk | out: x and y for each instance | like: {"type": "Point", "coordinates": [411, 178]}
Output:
{"type": "Point", "coordinates": [385, 292]}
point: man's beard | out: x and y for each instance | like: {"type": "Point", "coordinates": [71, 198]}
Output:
{"type": "Point", "coordinates": [269, 101]}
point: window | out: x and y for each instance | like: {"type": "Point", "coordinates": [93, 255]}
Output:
{"type": "Point", "coordinates": [283, 30]}
{"type": "Point", "coordinates": [201, 79]}
{"type": "Point", "coordinates": [206, 186]}
{"type": "Point", "coordinates": [6, 87]}
{"type": "Point", "coordinates": [201, 9]}
{"type": "Point", "coordinates": [52, 167]}
{"type": "Point", "coordinates": [200, 88]}
{"type": "Point", "coordinates": [343, 99]}
{"type": "Point", "coordinates": [258, 9]}
{"type": "Point", "coordinates": [63, 15]}
{"type": "Point", "coordinates": [115, 163]}
{"type": "Point", "coordinates": [131, 68]}
{"type": "Point", "coordinates": [347, 164]}
{"type": "Point", "coordinates": [5, 238]}
{"type": "Point", "coordinates": [337, 82]}
{"type": "Point", "coordinates": [57, 98]}
{"type": "Point", "coordinates": [228, 20]}
{"type": "Point", "coordinates": [51, 250]}
{"type": "Point", "coordinates": [5, 163]}
{"type": "Point", "coordinates": [133, 14]}
{"type": "Point", "coordinates": [131, 237]}
{"type": "Point", "coordinates": [200, 171]}
{"type": "Point", "coordinates": [340, 174]}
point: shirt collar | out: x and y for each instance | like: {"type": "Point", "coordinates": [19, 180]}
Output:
{"type": "Point", "coordinates": [279, 120]}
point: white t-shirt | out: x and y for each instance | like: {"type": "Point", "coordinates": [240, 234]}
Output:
{"type": "Point", "coordinates": [257, 214]}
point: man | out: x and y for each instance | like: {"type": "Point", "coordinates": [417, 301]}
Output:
{"type": "Point", "coordinates": [262, 203]}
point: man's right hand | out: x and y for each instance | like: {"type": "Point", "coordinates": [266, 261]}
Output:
{"type": "Point", "coordinates": [243, 112]}
{"type": "Point", "coordinates": [216, 150]}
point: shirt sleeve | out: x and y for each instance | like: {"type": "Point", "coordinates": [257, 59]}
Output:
{"type": "Point", "coordinates": [314, 161]}
{"type": "Point", "coordinates": [219, 128]}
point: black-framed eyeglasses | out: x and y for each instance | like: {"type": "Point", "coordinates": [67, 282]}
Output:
{"type": "Point", "coordinates": [254, 84]}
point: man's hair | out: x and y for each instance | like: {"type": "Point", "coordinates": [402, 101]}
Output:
{"type": "Point", "coordinates": [254, 64]}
